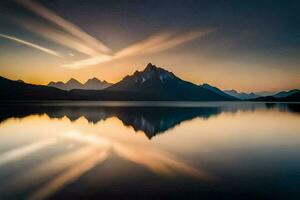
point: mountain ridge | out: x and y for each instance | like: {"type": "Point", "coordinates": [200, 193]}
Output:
{"type": "Point", "coordinates": [71, 84]}
{"type": "Point", "coordinates": [151, 84]}
{"type": "Point", "coordinates": [160, 82]}
{"type": "Point", "coordinates": [241, 95]}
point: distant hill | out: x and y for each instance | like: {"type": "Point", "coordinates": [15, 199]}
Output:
{"type": "Point", "coordinates": [241, 95]}
{"type": "Point", "coordinates": [18, 90]}
{"type": "Point", "coordinates": [216, 90]}
{"type": "Point", "coordinates": [286, 93]}
{"type": "Point", "coordinates": [265, 93]}
{"type": "Point", "coordinates": [91, 84]}
{"type": "Point", "coordinates": [164, 85]}
{"type": "Point", "coordinates": [295, 97]}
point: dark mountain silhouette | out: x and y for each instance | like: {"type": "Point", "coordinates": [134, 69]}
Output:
{"type": "Point", "coordinates": [162, 84]}
{"type": "Point", "coordinates": [16, 90]}
{"type": "Point", "coordinates": [152, 84]}
{"type": "Point", "coordinates": [291, 98]}
{"type": "Point", "coordinates": [265, 93]}
{"type": "Point", "coordinates": [216, 90]}
{"type": "Point", "coordinates": [95, 84]}
{"type": "Point", "coordinates": [286, 93]}
{"type": "Point", "coordinates": [241, 95]}
{"type": "Point", "coordinates": [91, 84]}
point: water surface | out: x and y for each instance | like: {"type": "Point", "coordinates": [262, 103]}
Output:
{"type": "Point", "coordinates": [149, 150]}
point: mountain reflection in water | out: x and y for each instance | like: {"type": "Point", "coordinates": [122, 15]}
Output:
{"type": "Point", "coordinates": [150, 120]}
{"type": "Point", "coordinates": [47, 150]}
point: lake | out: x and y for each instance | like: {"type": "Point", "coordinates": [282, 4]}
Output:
{"type": "Point", "coordinates": [149, 150]}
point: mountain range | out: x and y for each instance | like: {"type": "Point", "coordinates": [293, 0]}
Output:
{"type": "Point", "coordinates": [151, 84]}
{"type": "Point", "coordinates": [163, 84]}
{"type": "Point", "coordinates": [241, 95]}
{"type": "Point", "coordinates": [91, 84]}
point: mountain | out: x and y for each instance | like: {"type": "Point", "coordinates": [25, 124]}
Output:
{"type": "Point", "coordinates": [265, 93]}
{"type": "Point", "coordinates": [16, 90]}
{"type": "Point", "coordinates": [69, 85]}
{"type": "Point", "coordinates": [295, 97]}
{"type": "Point", "coordinates": [161, 84]}
{"type": "Point", "coordinates": [95, 84]}
{"type": "Point", "coordinates": [91, 84]}
{"type": "Point", "coordinates": [286, 93]}
{"type": "Point", "coordinates": [152, 84]}
{"type": "Point", "coordinates": [241, 95]}
{"type": "Point", "coordinates": [215, 89]}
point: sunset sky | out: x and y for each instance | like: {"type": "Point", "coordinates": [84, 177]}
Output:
{"type": "Point", "coordinates": [243, 45]}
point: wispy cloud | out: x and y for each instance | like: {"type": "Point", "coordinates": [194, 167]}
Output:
{"type": "Point", "coordinates": [58, 36]}
{"type": "Point", "coordinates": [44, 49]}
{"type": "Point", "coordinates": [73, 37]}
{"type": "Point", "coordinates": [160, 42]}
{"type": "Point", "coordinates": [89, 62]}
{"type": "Point", "coordinates": [142, 46]}
{"type": "Point", "coordinates": [65, 25]}
{"type": "Point", "coordinates": [178, 40]}
{"type": "Point", "coordinates": [155, 43]}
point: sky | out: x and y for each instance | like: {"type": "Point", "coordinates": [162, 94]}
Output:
{"type": "Point", "coordinates": [249, 46]}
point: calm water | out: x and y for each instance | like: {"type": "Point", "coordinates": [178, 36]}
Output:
{"type": "Point", "coordinates": [94, 150]}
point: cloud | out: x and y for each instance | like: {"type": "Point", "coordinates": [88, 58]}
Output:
{"type": "Point", "coordinates": [142, 46]}
{"type": "Point", "coordinates": [178, 40]}
{"type": "Point", "coordinates": [75, 38]}
{"type": "Point", "coordinates": [44, 49]}
{"type": "Point", "coordinates": [161, 42]}
{"type": "Point", "coordinates": [58, 37]}
{"type": "Point", "coordinates": [65, 25]}
{"type": "Point", "coordinates": [90, 61]}
{"type": "Point", "coordinates": [155, 43]}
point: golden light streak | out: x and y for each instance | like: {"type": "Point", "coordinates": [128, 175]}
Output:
{"type": "Point", "coordinates": [88, 139]}
{"type": "Point", "coordinates": [59, 37]}
{"type": "Point", "coordinates": [159, 162]}
{"type": "Point", "coordinates": [178, 40]}
{"type": "Point", "coordinates": [69, 176]}
{"type": "Point", "coordinates": [51, 167]}
{"type": "Point", "coordinates": [142, 46]}
{"type": "Point", "coordinates": [65, 25]}
{"type": "Point", "coordinates": [22, 152]}
{"type": "Point", "coordinates": [44, 49]}
{"type": "Point", "coordinates": [88, 62]}
{"type": "Point", "coordinates": [156, 43]}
